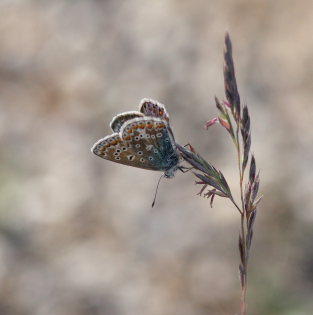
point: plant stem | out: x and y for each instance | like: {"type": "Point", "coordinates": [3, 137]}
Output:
{"type": "Point", "coordinates": [243, 234]}
{"type": "Point", "coordinates": [244, 264]}
{"type": "Point", "coordinates": [243, 300]}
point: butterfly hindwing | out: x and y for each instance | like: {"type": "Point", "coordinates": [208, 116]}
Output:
{"type": "Point", "coordinates": [152, 142]}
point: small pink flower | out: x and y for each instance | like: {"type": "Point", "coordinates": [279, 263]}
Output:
{"type": "Point", "coordinates": [211, 122]}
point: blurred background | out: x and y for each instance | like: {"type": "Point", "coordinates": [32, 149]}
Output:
{"type": "Point", "coordinates": [77, 233]}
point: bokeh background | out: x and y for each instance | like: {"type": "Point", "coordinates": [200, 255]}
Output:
{"type": "Point", "coordinates": [77, 233]}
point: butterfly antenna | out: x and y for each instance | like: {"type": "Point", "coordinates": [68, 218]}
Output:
{"type": "Point", "coordinates": [156, 191]}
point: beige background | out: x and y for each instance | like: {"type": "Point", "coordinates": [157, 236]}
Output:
{"type": "Point", "coordinates": [77, 234]}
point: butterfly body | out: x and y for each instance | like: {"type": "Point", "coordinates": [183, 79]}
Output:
{"type": "Point", "coordinates": [141, 139]}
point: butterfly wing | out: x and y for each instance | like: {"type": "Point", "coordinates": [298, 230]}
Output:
{"type": "Point", "coordinates": [120, 119]}
{"type": "Point", "coordinates": [153, 109]}
{"type": "Point", "coordinates": [115, 149]}
{"type": "Point", "coordinates": [142, 142]}
{"type": "Point", "coordinates": [152, 141]}
{"type": "Point", "coordinates": [141, 139]}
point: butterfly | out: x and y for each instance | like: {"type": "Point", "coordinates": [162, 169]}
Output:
{"type": "Point", "coordinates": [141, 139]}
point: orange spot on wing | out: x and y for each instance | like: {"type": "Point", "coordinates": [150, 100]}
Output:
{"type": "Point", "coordinates": [127, 137]}
{"type": "Point", "coordinates": [130, 130]}
{"type": "Point", "coordinates": [150, 126]}
{"type": "Point", "coordinates": [135, 126]}
{"type": "Point", "coordinates": [143, 126]}
{"type": "Point", "coordinates": [114, 142]}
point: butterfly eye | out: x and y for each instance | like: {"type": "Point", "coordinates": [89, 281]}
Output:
{"type": "Point", "coordinates": [147, 136]}
{"type": "Point", "coordinates": [152, 136]}
{"type": "Point", "coordinates": [124, 148]}
{"type": "Point", "coordinates": [142, 136]}
{"type": "Point", "coordinates": [155, 151]}
{"type": "Point", "coordinates": [137, 145]}
{"type": "Point", "coordinates": [167, 140]}
{"type": "Point", "coordinates": [150, 158]}
{"type": "Point", "coordinates": [140, 153]}
{"type": "Point", "coordinates": [118, 151]}
{"type": "Point", "coordinates": [142, 160]}
{"type": "Point", "coordinates": [117, 158]}
{"type": "Point", "coordinates": [137, 138]}
{"type": "Point", "coordinates": [116, 154]}
{"type": "Point", "coordinates": [159, 134]}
